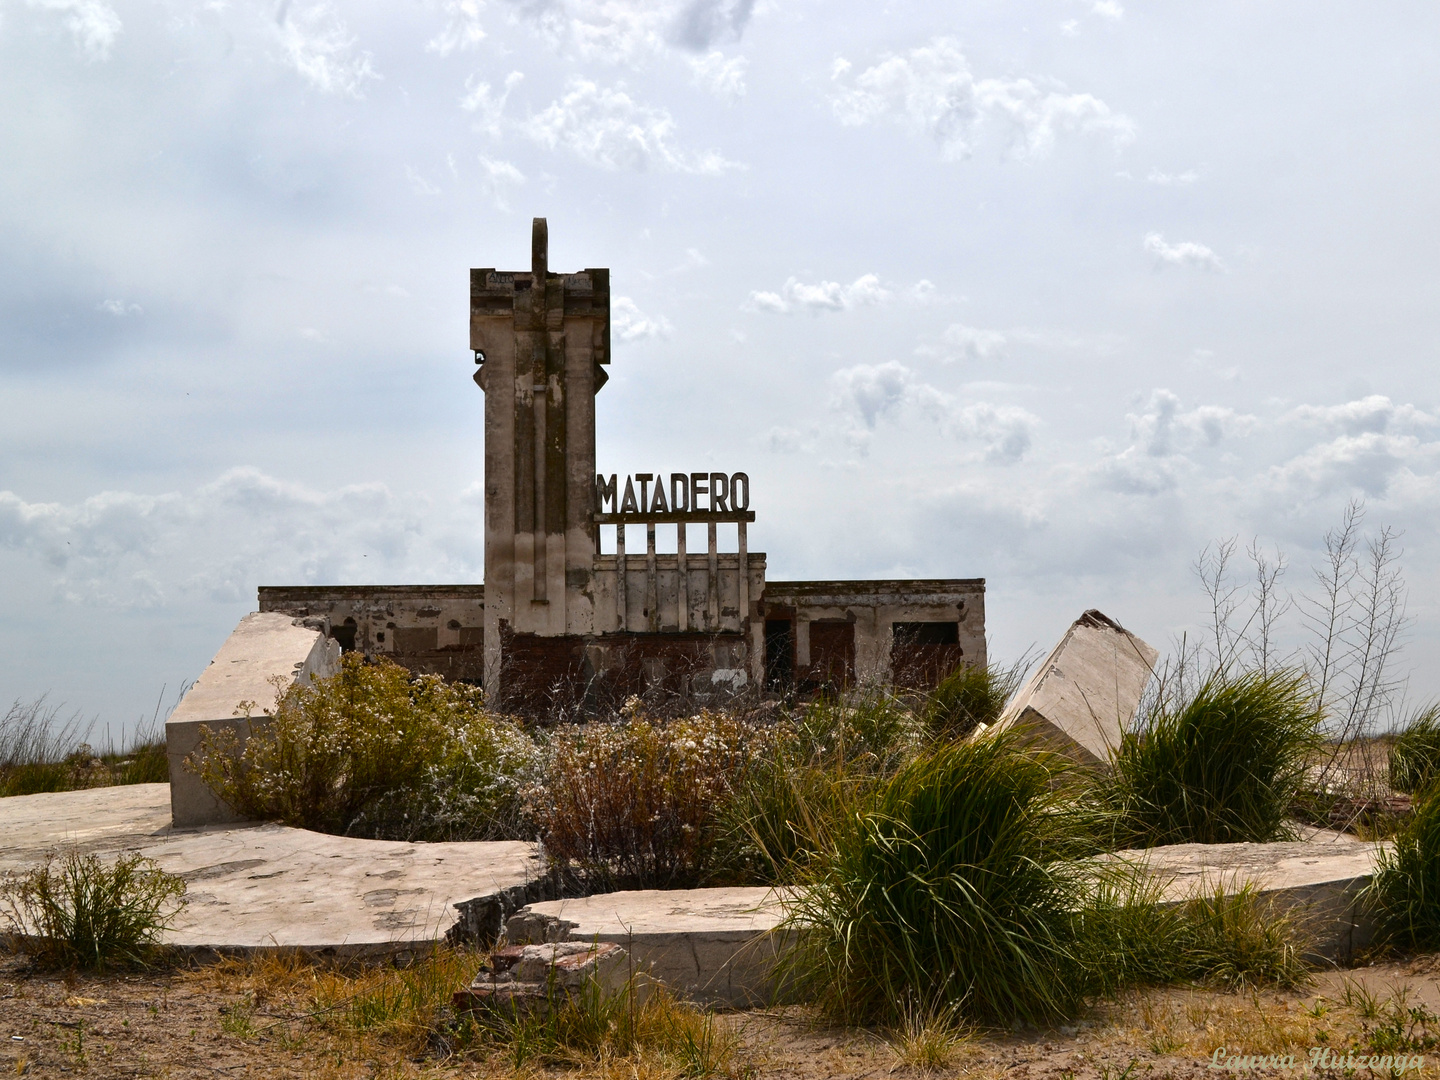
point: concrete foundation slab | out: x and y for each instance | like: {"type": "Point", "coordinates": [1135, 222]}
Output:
{"type": "Point", "coordinates": [1083, 696]}
{"type": "Point", "coordinates": [1316, 880]}
{"type": "Point", "coordinates": [713, 945]}
{"type": "Point", "coordinates": [257, 887]}
{"type": "Point", "coordinates": [265, 654]}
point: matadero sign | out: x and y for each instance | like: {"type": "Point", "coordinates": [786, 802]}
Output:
{"type": "Point", "coordinates": [695, 496]}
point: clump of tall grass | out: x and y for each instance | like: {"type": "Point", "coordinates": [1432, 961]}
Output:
{"type": "Point", "coordinates": [42, 750]}
{"type": "Point", "coordinates": [954, 884]}
{"type": "Point", "coordinates": [635, 804]}
{"type": "Point", "coordinates": [1231, 939]}
{"type": "Point", "coordinates": [375, 751]}
{"type": "Point", "coordinates": [77, 910]}
{"type": "Point", "coordinates": [818, 761]}
{"type": "Point", "coordinates": [1222, 766]}
{"type": "Point", "coordinates": [965, 885]}
{"type": "Point", "coordinates": [1404, 893]}
{"type": "Point", "coordinates": [968, 697]}
{"type": "Point", "coordinates": [1415, 753]}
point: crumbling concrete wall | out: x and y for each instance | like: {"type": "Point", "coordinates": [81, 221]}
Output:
{"type": "Point", "coordinates": [430, 629]}
{"type": "Point", "coordinates": [264, 650]}
{"type": "Point", "coordinates": [909, 631]}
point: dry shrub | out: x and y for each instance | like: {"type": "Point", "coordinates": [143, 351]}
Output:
{"type": "Point", "coordinates": [635, 804]}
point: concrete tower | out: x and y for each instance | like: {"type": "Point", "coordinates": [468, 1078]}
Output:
{"type": "Point", "coordinates": [541, 340]}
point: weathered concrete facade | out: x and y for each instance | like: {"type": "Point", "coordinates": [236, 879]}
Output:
{"type": "Point", "coordinates": [570, 615]}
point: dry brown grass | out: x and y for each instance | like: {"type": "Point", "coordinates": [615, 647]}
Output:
{"type": "Point", "coordinates": [264, 1017]}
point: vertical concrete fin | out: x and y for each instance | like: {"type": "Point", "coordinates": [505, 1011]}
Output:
{"type": "Point", "coordinates": [539, 252]}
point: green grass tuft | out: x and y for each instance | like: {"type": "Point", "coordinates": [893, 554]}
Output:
{"type": "Point", "coordinates": [1405, 890]}
{"type": "Point", "coordinates": [953, 885]}
{"type": "Point", "coordinates": [1222, 767]}
{"type": "Point", "coordinates": [80, 911]}
{"type": "Point", "coordinates": [1415, 754]}
{"type": "Point", "coordinates": [967, 697]}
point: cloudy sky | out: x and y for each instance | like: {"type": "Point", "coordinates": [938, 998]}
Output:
{"type": "Point", "coordinates": [1049, 292]}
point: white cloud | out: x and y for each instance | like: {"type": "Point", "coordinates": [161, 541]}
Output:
{"type": "Point", "coordinates": [931, 90]}
{"type": "Point", "coordinates": [1189, 176]}
{"type": "Point", "coordinates": [694, 260]}
{"type": "Point", "coordinates": [960, 342]}
{"type": "Point", "coordinates": [129, 550]}
{"type": "Point", "coordinates": [319, 47]}
{"type": "Point", "coordinates": [94, 24]}
{"type": "Point", "coordinates": [701, 23]}
{"type": "Point", "coordinates": [1070, 28]}
{"type": "Point", "coordinates": [629, 323]}
{"type": "Point", "coordinates": [1108, 9]}
{"type": "Point", "coordinates": [1371, 464]}
{"type": "Point", "coordinates": [630, 31]}
{"type": "Point", "coordinates": [418, 183]}
{"type": "Point", "coordinates": [1162, 434]}
{"type": "Point", "coordinates": [607, 128]}
{"type": "Point", "coordinates": [119, 308]}
{"type": "Point", "coordinates": [462, 30]}
{"type": "Point", "coordinates": [490, 112]}
{"type": "Point", "coordinates": [498, 179]}
{"type": "Point", "coordinates": [788, 440]}
{"type": "Point", "coordinates": [1185, 253]}
{"type": "Point", "coordinates": [880, 391]}
{"type": "Point", "coordinates": [1375, 414]}
{"type": "Point", "coordinates": [796, 295]}
{"type": "Point", "coordinates": [721, 76]}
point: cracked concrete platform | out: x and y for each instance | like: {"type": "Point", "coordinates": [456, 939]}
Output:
{"type": "Point", "coordinates": [255, 887]}
{"type": "Point", "coordinates": [714, 945]}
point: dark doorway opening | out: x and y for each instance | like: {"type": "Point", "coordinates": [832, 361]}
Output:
{"type": "Point", "coordinates": [345, 635]}
{"type": "Point", "coordinates": [779, 654]}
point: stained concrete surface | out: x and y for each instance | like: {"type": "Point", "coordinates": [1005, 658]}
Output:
{"type": "Point", "coordinates": [270, 886]}
{"type": "Point", "coordinates": [714, 945]}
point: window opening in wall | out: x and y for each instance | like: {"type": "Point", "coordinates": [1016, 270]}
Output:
{"type": "Point", "coordinates": [925, 633]}
{"type": "Point", "coordinates": [779, 653]}
{"type": "Point", "coordinates": [344, 634]}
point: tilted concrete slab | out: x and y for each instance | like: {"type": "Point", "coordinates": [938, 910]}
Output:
{"type": "Point", "coordinates": [259, 887]}
{"type": "Point", "coordinates": [716, 946]}
{"type": "Point", "coordinates": [264, 649]}
{"type": "Point", "coordinates": [1317, 880]}
{"type": "Point", "coordinates": [1084, 695]}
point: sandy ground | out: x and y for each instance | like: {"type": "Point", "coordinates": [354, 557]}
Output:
{"type": "Point", "coordinates": [237, 1021]}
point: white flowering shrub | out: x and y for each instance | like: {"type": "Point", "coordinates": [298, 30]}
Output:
{"type": "Point", "coordinates": [376, 751]}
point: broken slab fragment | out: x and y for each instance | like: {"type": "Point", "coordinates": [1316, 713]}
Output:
{"type": "Point", "coordinates": [265, 648]}
{"type": "Point", "coordinates": [528, 979]}
{"type": "Point", "coordinates": [718, 946]}
{"type": "Point", "coordinates": [1082, 698]}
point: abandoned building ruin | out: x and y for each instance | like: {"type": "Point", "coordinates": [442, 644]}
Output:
{"type": "Point", "coordinates": [572, 615]}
